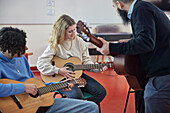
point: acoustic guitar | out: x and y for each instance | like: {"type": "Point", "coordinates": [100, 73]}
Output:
{"type": "Point", "coordinates": [27, 103]}
{"type": "Point", "coordinates": [74, 64]}
{"type": "Point", "coordinates": [127, 65]}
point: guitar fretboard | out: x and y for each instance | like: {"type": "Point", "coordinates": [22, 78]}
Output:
{"type": "Point", "coordinates": [91, 66]}
{"type": "Point", "coordinates": [54, 87]}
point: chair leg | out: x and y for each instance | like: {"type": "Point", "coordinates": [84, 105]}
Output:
{"type": "Point", "coordinates": [97, 58]}
{"type": "Point", "coordinates": [102, 59]}
{"type": "Point", "coordinates": [99, 108]}
{"type": "Point", "coordinates": [127, 100]}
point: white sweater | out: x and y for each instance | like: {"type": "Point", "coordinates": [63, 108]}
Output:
{"type": "Point", "coordinates": [79, 49]}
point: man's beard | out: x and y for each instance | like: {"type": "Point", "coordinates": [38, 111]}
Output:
{"type": "Point", "coordinates": [123, 15]}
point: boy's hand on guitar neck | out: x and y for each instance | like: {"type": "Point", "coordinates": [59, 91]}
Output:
{"type": "Point", "coordinates": [32, 88]}
{"type": "Point", "coordinates": [66, 73]}
{"type": "Point", "coordinates": [70, 85]}
{"type": "Point", "coordinates": [68, 88]}
{"type": "Point", "coordinates": [105, 48]}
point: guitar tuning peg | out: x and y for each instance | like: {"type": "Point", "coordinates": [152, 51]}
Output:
{"type": "Point", "coordinates": [84, 37]}
{"type": "Point", "coordinates": [83, 34]}
{"type": "Point", "coordinates": [88, 25]}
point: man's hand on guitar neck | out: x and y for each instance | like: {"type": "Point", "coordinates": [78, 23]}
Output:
{"type": "Point", "coordinates": [105, 48]}
{"type": "Point", "coordinates": [104, 68]}
{"type": "Point", "coordinates": [99, 70]}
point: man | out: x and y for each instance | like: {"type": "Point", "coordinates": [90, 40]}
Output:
{"type": "Point", "coordinates": [13, 65]}
{"type": "Point", "coordinates": [151, 42]}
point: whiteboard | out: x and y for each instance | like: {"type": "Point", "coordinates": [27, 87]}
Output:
{"type": "Point", "coordinates": [47, 11]}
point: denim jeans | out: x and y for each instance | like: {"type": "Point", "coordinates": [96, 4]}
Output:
{"type": "Point", "coordinates": [157, 95]}
{"type": "Point", "coordinates": [66, 105]}
{"type": "Point", "coordinates": [93, 87]}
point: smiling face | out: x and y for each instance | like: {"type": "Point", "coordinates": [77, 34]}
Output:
{"type": "Point", "coordinates": [70, 32]}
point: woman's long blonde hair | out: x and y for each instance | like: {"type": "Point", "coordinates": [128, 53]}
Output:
{"type": "Point", "coordinates": [59, 30]}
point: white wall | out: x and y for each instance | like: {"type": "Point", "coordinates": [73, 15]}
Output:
{"type": "Point", "coordinates": [46, 11]}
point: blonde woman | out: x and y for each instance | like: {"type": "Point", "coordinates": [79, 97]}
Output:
{"type": "Point", "coordinates": [64, 43]}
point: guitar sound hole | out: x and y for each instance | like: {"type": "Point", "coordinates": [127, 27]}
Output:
{"type": "Point", "coordinates": [70, 66]}
{"type": "Point", "coordinates": [34, 96]}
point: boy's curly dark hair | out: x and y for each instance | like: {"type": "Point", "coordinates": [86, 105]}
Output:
{"type": "Point", "coordinates": [12, 40]}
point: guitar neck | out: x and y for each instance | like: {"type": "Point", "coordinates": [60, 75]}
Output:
{"type": "Point", "coordinates": [54, 87]}
{"type": "Point", "coordinates": [92, 66]}
{"type": "Point", "coordinates": [95, 41]}
{"type": "Point", "coordinates": [98, 43]}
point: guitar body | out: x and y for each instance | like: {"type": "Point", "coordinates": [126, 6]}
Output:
{"type": "Point", "coordinates": [129, 66]}
{"type": "Point", "coordinates": [29, 104]}
{"type": "Point", "coordinates": [59, 62]}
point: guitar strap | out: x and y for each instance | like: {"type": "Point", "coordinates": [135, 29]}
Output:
{"type": "Point", "coordinates": [17, 101]}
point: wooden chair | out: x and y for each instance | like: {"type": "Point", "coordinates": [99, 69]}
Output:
{"type": "Point", "coordinates": [27, 54]}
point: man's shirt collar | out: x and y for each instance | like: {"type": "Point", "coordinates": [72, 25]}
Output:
{"type": "Point", "coordinates": [131, 9]}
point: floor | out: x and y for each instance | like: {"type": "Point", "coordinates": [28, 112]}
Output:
{"type": "Point", "coordinates": [116, 87]}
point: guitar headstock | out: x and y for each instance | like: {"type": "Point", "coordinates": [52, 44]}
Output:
{"type": "Point", "coordinates": [83, 30]}
{"type": "Point", "coordinates": [84, 33]}
{"type": "Point", "coordinates": [80, 81]}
